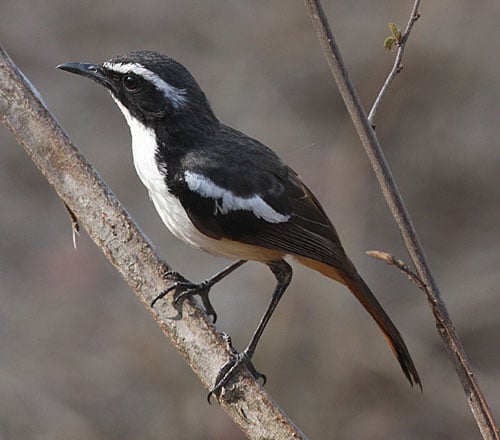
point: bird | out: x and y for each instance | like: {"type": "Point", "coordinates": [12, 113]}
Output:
{"type": "Point", "coordinates": [225, 193]}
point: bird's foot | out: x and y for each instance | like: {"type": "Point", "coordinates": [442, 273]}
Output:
{"type": "Point", "coordinates": [184, 288]}
{"type": "Point", "coordinates": [232, 366]}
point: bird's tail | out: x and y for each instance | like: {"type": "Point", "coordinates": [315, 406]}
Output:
{"type": "Point", "coordinates": [365, 296]}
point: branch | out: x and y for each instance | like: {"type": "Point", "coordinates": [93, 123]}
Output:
{"type": "Point", "coordinates": [111, 228]}
{"type": "Point", "coordinates": [397, 66]}
{"type": "Point", "coordinates": [391, 260]}
{"type": "Point", "coordinates": [446, 330]}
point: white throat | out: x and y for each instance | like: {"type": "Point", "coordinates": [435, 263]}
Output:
{"type": "Point", "coordinates": [144, 148]}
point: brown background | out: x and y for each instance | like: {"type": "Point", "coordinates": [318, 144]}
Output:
{"type": "Point", "coordinates": [80, 356]}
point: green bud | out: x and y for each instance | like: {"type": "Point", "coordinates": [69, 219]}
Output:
{"type": "Point", "coordinates": [389, 43]}
{"type": "Point", "coordinates": [395, 31]}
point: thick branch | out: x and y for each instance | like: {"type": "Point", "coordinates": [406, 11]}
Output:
{"type": "Point", "coordinates": [446, 330]}
{"type": "Point", "coordinates": [87, 196]}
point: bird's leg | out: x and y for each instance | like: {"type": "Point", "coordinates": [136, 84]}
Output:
{"type": "Point", "coordinates": [283, 273]}
{"type": "Point", "coordinates": [184, 288]}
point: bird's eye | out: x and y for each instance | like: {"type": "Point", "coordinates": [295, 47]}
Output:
{"type": "Point", "coordinates": [130, 82]}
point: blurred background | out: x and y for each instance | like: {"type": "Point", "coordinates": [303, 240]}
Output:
{"type": "Point", "coordinates": [80, 356]}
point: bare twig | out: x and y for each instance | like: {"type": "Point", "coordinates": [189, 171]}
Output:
{"type": "Point", "coordinates": [446, 330]}
{"type": "Point", "coordinates": [133, 255]}
{"type": "Point", "coordinates": [391, 260]}
{"type": "Point", "coordinates": [397, 66]}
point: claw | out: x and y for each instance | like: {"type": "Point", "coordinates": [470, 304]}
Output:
{"type": "Point", "coordinates": [183, 289]}
{"type": "Point", "coordinates": [227, 372]}
{"type": "Point", "coordinates": [232, 366]}
{"type": "Point", "coordinates": [173, 274]}
{"type": "Point", "coordinates": [210, 311]}
{"type": "Point", "coordinates": [256, 374]}
{"type": "Point", "coordinates": [162, 294]}
{"type": "Point", "coordinates": [186, 288]}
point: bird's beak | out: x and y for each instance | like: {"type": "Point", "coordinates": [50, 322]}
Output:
{"type": "Point", "coordinates": [92, 71]}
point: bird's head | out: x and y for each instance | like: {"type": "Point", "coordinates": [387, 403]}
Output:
{"type": "Point", "coordinates": [151, 87]}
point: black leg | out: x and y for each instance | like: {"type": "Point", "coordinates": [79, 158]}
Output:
{"type": "Point", "coordinates": [283, 273]}
{"type": "Point", "coordinates": [185, 288]}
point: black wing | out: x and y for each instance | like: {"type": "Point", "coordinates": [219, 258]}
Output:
{"type": "Point", "coordinates": [309, 232]}
{"type": "Point", "coordinates": [252, 170]}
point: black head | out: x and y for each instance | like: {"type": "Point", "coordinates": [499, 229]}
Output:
{"type": "Point", "coordinates": [153, 88]}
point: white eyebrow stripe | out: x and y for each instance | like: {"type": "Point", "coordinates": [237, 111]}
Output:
{"type": "Point", "coordinates": [175, 95]}
{"type": "Point", "coordinates": [230, 202]}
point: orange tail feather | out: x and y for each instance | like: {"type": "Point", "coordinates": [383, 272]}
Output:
{"type": "Point", "coordinates": [365, 296]}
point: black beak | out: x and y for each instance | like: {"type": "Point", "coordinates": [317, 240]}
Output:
{"type": "Point", "coordinates": [92, 71]}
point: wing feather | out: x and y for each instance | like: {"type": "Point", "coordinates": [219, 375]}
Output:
{"type": "Point", "coordinates": [307, 232]}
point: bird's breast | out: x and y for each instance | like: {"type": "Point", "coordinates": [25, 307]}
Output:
{"type": "Point", "coordinates": [168, 206]}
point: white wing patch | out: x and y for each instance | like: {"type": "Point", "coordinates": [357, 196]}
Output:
{"type": "Point", "coordinates": [169, 207]}
{"type": "Point", "coordinates": [173, 94]}
{"type": "Point", "coordinates": [226, 201]}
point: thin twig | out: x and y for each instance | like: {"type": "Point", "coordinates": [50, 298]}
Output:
{"type": "Point", "coordinates": [401, 265]}
{"type": "Point", "coordinates": [133, 255]}
{"type": "Point", "coordinates": [398, 65]}
{"type": "Point", "coordinates": [446, 330]}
